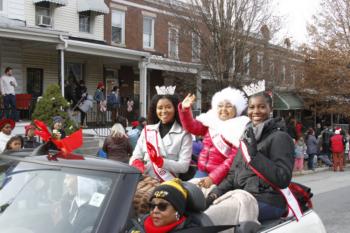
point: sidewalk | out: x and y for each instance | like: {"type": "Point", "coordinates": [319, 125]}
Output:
{"type": "Point", "coordinates": [319, 169]}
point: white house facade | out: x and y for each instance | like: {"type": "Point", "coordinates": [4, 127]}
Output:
{"type": "Point", "coordinates": [52, 41]}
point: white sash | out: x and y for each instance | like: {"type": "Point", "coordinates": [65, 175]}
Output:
{"type": "Point", "coordinates": [293, 205]}
{"type": "Point", "coordinates": [219, 142]}
{"type": "Point", "coordinates": [152, 137]}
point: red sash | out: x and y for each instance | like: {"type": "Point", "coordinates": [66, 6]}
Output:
{"type": "Point", "coordinates": [293, 205]}
{"type": "Point", "coordinates": [151, 136]}
{"type": "Point", "coordinates": [219, 143]}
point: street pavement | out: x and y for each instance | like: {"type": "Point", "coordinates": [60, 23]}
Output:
{"type": "Point", "coordinates": [331, 197]}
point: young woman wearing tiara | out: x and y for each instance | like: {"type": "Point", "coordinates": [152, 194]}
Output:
{"type": "Point", "coordinates": [221, 128]}
{"type": "Point", "coordinates": [164, 148]}
{"type": "Point", "coordinates": [258, 181]}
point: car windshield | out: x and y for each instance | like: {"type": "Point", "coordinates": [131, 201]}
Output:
{"type": "Point", "coordinates": [37, 198]}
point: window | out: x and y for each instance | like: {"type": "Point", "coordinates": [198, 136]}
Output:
{"type": "Point", "coordinates": [148, 32]}
{"type": "Point", "coordinates": [283, 73]}
{"type": "Point", "coordinates": [196, 47]}
{"type": "Point", "coordinates": [84, 22]}
{"type": "Point", "coordinates": [173, 42]}
{"type": "Point", "coordinates": [246, 61]}
{"type": "Point", "coordinates": [293, 71]}
{"type": "Point", "coordinates": [260, 64]}
{"type": "Point", "coordinates": [118, 27]}
{"type": "Point", "coordinates": [1, 5]}
{"type": "Point", "coordinates": [43, 14]}
{"type": "Point", "coordinates": [74, 72]}
{"type": "Point", "coordinates": [272, 69]}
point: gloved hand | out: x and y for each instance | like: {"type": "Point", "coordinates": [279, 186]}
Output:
{"type": "Point", "coordinates": [138, 164]}
{"type": "Point", "coordinates": [152, 152]}
{"type": "Point", "coordinates": [210, 199]}
{"type": "Point", "coordinates": [250, 142]}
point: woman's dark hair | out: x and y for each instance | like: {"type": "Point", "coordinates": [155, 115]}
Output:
{"type": "Point", "coordinates": [310, 131]}
{"type": "Point", "coordinates": [152, 117]}
{"type": "Point", "coordinates": [14, 138]}
{"type": "Point", "coordinates": [115, 88]}
{"type": "Point", "coordinates": [264, 94]}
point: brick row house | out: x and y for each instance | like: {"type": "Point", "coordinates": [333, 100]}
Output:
{"type": "Point", "coordinates": [132, 44]}
{"type": "Point", "coordinates": [147, 26]}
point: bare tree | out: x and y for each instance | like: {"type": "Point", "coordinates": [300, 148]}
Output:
{"type": "Point", "coordinates": [224, 33]}
{"type": "Point", "coordinates": [326, 81]}
{"type": "Point", "coordinates": [331, 26]}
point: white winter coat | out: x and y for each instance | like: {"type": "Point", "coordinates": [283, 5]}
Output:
{"type": "Point", "coordinates": [175, 147]}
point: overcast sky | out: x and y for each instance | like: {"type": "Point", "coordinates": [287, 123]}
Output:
{"type": "Point", "coordinates": [296, 15]}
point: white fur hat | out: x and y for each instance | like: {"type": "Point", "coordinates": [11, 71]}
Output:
{"type": "Point", "coordinates": [234, 96]}
{"type": "Point", "coordinates": [337, 131]}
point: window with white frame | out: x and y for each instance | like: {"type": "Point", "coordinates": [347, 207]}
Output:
{"type": "Point", "coordinates": [283, 73]}
{"type": "Point", "coordinates": [1, 5]}
{"type": "Point", "coordinates": [43, 14]}
{"type": "Point", "coordinates": [272, 69]}
{"type": "Point", "coordinates": [246, 61]}
{"type": "Point", "coordinates": [293, 71]}
{"type": "Point", "coordinates": [148, 32]}
{"type": "Point", "coordinates": [85, 22]}
{"type": "Point", "coordinates": [118, 27]}
{"type": "Point", "coordinates": [173, 44]}
{"type": "Point", "coordinates": [196, 47]}
{"type": "Point", "coordinates": [233, 68]}
{"type": "Point", "coordinates": [260, 63]}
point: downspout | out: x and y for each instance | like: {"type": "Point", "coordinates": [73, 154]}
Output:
{"type": "Point", "coordinates": [62, 61]}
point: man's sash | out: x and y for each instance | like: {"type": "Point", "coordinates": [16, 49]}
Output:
{"type": "Point", "coordinates": [220, 143]}
{"type": "Point", "coordinates": [151, 136]}
{"type": "Point", "coordinates": [293, 205]}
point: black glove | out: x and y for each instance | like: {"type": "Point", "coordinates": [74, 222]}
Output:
{"type": "Point", "coordinates": [210, 199]}
{"type": "Point", "coordinates": [250, 142]}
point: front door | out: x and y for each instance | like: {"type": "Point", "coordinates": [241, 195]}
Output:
{"type": "Point", "coordinates": [35, 82]}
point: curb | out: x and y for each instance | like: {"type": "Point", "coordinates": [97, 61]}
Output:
{"type": "Point", "coordinates": [319, 169]}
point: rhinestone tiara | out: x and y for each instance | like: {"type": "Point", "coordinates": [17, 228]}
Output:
{"type": "Point", "coordinates": [254, 88]}
{"type": "Point", "coordinates": [163, 90]}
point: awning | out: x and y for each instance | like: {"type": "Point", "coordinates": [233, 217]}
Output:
{"type": "Point", "coordinates": [96, 6]}
{"type": "Point", "coordinates": [105, 50]}
{"type": "Point", "coordinates": [10, 31]}
{"type": "Point", "coordinates": [287, 101]}
{"type": "Point", "coordinates": [58, 2]}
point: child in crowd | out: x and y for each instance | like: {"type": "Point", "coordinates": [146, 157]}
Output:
{"type": "Point", "coordinates": [30, 141]}
{"type": "Point", "coordinates": [300, 150]}
{"type": "Point", "coordinates": [6, 127]}
{"type": "Point", "coordinates": [15, 143]}
{"type": "Point", "coordinates": [57, 131]}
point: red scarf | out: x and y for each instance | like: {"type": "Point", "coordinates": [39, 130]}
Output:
{"type": "Point", "coordinates": [151, 228]}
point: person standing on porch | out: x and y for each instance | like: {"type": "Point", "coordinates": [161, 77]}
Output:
{"type": "Point", "coordinates": [8, 84]}
{"type": "Point", "coordinates": [100, 107]}
{"type": "Point", "coordinates": [119, 102]}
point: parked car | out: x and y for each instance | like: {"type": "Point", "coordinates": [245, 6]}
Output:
{"type": "Point", "coordinates": [39, 194]}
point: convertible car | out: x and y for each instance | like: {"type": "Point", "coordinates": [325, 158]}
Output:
{"type": "Point", "coordinates": [40, 194]}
